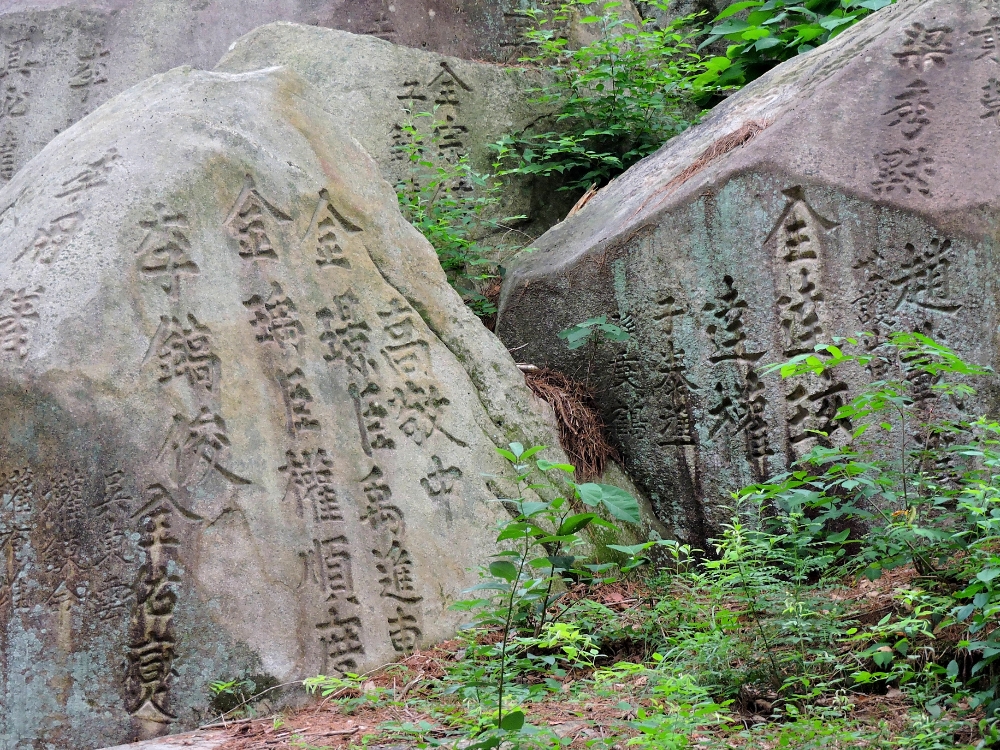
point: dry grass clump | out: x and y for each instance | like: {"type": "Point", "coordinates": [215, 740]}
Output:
{"type": "Point", "coordinates": [581, 429]}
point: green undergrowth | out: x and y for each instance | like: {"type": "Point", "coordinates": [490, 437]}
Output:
{"type": "Point", "coordinates": [851, 602]}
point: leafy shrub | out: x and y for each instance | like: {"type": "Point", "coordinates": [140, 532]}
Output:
{"type": "Point", "coordinates": [763, 34]}
{"type": "Point", "coordinates": [617, 99]}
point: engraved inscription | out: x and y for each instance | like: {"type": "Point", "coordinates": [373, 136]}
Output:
{"type": "Point", "coordinates": [152, 641]}
{"type": "Point", "coordinates": [94, 174]}
{"type": "Point", "coordinates": [329, 231]}
{"type": "Point", "coordinates": [987, 37]}
{"type": "Point", "coordinates": [909, 169]}
{"type": "Point", "coordinates": [195, 448]}
{"type": "Point", "coordinates": [49, 241]}
{"type": "Point", "coordinates": [18, 316]}
{"type": "Point", "coordinates": [164, 252]}
{"type": "Point", "coordinates": [255, 223]}
{"type": "Point", "coordinates": [91, 70]}
{"type": "Point", "coordinates": [799, 239]}
{"type": "Point", "coordinates": [276, 320]}
{"type": "Point", "coordinates": [440, 484]}
{"type": "Point", "coordinates": [8, 154]}
{"type": "Point", "coordinates": [310, 484]}
{"type": "Point", "coordinates": [393, 562]}
{"type": "Point", "coordinates": [924, 47]}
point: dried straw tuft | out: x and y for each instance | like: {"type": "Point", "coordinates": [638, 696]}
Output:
{"type": "Point", "coordinates": [581, 429]}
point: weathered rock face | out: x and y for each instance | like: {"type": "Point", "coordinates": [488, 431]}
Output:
{"type": "Point", "coordinates": [63, 58]}
{"type": "Point", "coordinates": [869, 201]}
{"type": "Point", "coordinates": [377, 91]}
{"type": "Point", "coordinates": [245, 420]}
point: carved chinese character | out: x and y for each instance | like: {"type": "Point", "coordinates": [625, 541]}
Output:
{"type": "Point", "coordinates": [96, 173]}
{"type": "Point", "coordinates": [185, 351]}
{"type": "Point", "coordinates": [988, 34]}
{"type": "Point", "coordinates": [404, 628]}
{"type": "Point", "coordinates": [193, 449]}
{"type": "Point", "coordinates": [924, 277]}
{"type": "Point", "coordinates": [14, 95]}
{"type": "Point", "coordinates": [8, 154]}
{"type": "Point", "coordinates": [395, 571]}
{"type": "Point", "coordinates": [909, 170]}
{"type": "Point", "coordinates": [255, 223]}
{"type": "Point", "coordinates": [419, 407]}
{"type": "Point", "coordinates": [164, 252]}
{"type": "Point", "coordinates": [440, 484]}
{"type": "Point", "coordinates": [16, 59]}
{"type": "Point", "coordinates": [91, 69]}
{"type": "Point", "coordinates": [310, 480]}
{"type": "Point", "coordinates": [340, 637]}
{"type": "Point", "coordinates": [18, 315]}
{"type": "Point", "coordinates": [49, 240]}
{"type": "Point", "coordinates": [329, 232]}
{"type": "Point", "coordinates": [276, 320]}
{"type": "Point", "coordinates": [813, 415]}
{"type": "Point", "coordinates": [379, 512]}
{"type": "Point", "coordinates": [371, 413]}
{"type": "Point", "coordinates": [347, 335]}
{"type": "Point", "coordinates": [297, 400]}
{"type": "Point", "coordinates": [799, 310]}
{"type": "Point", "coordinates": [726, 327]}
{"type": "Point", "coordinates": [991, 99]}
{"type": "Point", "coordinates": [912, 111]}
{"type": "Point", "coordinates": [925, 48]}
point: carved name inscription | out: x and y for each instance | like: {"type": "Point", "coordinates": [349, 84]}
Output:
{"type": "Point", "coordinates": [255, 223]}
{"type": "Point", "coordinates": [18, 317]}
{"type": "Point", "coordinates": [798, 241]}
{"type": "Point", "coordinates": [393, 562]}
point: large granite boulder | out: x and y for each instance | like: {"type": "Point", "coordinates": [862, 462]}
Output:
{"type": "Point", "coordinates": [247, 426]}
{"type": "Point", "coordinates": [388, 97]}
{"type": "Point", "coordinates": [60, 59]}
{"type": "Point", "coordinates": [854, 188]}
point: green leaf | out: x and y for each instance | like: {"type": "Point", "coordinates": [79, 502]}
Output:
{"type": "Point", "coordinates": [513, 721]}
{"type": "Point", "coordinates": [590, 494]}
{"type": "Point", "coordinates": [517, 449]}
{"type": "Point", "coordinates": [544, 465]}
{"type": "Point", "coordinates": [576, 523]}
{"type": "Point", "coordinates": [632, 549]}
{"type": "Point", "coordinates": [840, 537]}
{"type": "Point", "coordinates": [503, 569]}
{"type": "Point", "coordinates": [620, 504]}
{"type": "Point", "coordinates": [563, 562]}
{"type": "Point", "coordinates": [988, 575]}
{"type": "Point", "coordinates": [737, 7]}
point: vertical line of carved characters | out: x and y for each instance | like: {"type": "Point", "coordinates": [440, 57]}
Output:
{"type": "Point", "coordinates": [329, 232]}
{"type": "Point", "coordinates": [311, 483]}
{"type": "Point", "coordinates": [408, 353]}
{"type": "Point", "coordinates": [925, 48]}
{"type": "Point", "coordinates": [393, 562]}
{"type": "Point", "coordinates": [8, 154]}
{"type": "Point", "coordinates": [165, 250]}
{"type": "Point", "coordinates": [276, 320]}
{"type": "Point", "coordinates": [112, 594]}
{"type": "Point", "coordinates": [17, 58]}
{"type": "Point", "coordinates": [440, 484]}
{"type": "Point", "coordinates": [185, 351]}
{"type": "Point", "coordinates": [194, 448]}
{"type": "Point", "coordinates": [347, 334]}
{"type": "Point", "coordinates": [64, 515]}
{"type": "Point", "coordinates": [152, 640]}
{"type": "Point", "coordinates": [673, 423]}
{"type": "Point", "coordinates": [18, 318]}
{"type": "Point", "coordinates": [987, 36]}
{"type": "Point", "coordinates": [49, 240]}
{"type": "Point", "coordinates": [518, 23]}
{"type": "Point", "coordinates": [91, 70]}
{"type": "Point", "coordinates": [93, 175]}
{"type": "Point", "coordinates": [18, 497]}
{"type": "Point", "coordinates": [255, 223]}
{"type": "Point", "coordinates": [419, 408]}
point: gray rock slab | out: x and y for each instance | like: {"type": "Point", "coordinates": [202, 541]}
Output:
{"type": "Point", "coordinates": [867, 200]}
{"type": "Point", "coordinates": [247, 426]}
{"type": "Point", "coordinates": [210, 740]}
{"type": "Point", "coordinates": [63, 58]}
{"type": "Point", "coordinates": [375, 90]}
